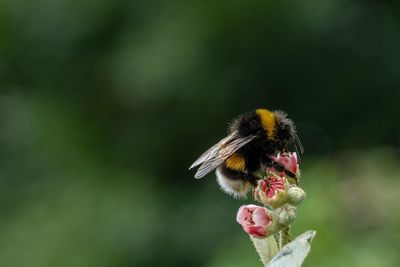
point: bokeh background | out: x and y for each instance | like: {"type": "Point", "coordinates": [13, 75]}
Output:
{"type": "Point", "coordinates": [104, 105]}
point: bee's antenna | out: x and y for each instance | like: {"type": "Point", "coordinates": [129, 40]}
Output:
{"type": "Point", "coordinates": [297, 140]}
{"type": "Point", "coordinates": [297, 145]}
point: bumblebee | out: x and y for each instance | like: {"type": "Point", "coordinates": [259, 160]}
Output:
{"type": "Point", "coordinates": [253, 138]}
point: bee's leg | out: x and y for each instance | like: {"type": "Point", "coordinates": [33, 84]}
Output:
{"type": "Point", "coordinates": [279, 168]}
{"type": "Point", "coordinates": [236, 183]}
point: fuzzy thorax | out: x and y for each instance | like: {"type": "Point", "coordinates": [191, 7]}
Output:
{"type": "Point", "coordinates": [267, 119]}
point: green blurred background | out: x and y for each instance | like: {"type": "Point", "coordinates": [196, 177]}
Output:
{"type": "Point", "coordinates": [104, 105]}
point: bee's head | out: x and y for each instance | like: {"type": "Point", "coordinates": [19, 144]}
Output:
{"type": "Point", "coordinates": [286, 132]}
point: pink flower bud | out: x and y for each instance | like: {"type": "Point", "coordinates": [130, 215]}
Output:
{"type": "Point", "coordinates": [254, 220]}
{"type": "Point", "coordinates": [289, 161]}
{"type": "Point", "coordinates": [272, 191]}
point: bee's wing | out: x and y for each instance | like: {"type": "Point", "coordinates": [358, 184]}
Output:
{"type": "Point", "coordinates": [213, 151]}
{"type": "Point", "coordinates": [220, 152]}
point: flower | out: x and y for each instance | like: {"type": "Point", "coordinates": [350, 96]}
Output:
{"type": "Point", "coordinates": [254, 220]}
{"type": "Point", "coordinates": [272, 191]}
{"type": "Point", "coordinates": [289, 161]}
{"type": "Point", "coordinates": [271, 185]}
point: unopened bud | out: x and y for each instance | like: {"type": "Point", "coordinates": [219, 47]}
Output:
{"type": "Point", "coordinates": [295, 195]}
{"type": "Point", "coordinates": [286, 214]}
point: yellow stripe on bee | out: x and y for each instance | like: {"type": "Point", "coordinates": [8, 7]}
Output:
{"type": "Point", "coordinates": [236, 162]}
{"type": "Point", "coordinates": [267, 119]}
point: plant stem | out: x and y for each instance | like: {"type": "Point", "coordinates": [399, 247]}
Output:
{"type": "Point", "coordinates": [277, 238]}
{"type": "Point", "coordinates": [285, 236]}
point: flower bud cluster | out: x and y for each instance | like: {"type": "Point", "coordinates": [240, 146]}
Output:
{"type": "Point", "coordinates": [279, 196]}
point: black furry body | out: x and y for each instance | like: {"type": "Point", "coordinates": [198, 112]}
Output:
{"type": "Point", "coordinates": [257, 153]}
{"type": "Point", "coordinates": [253, 140]}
